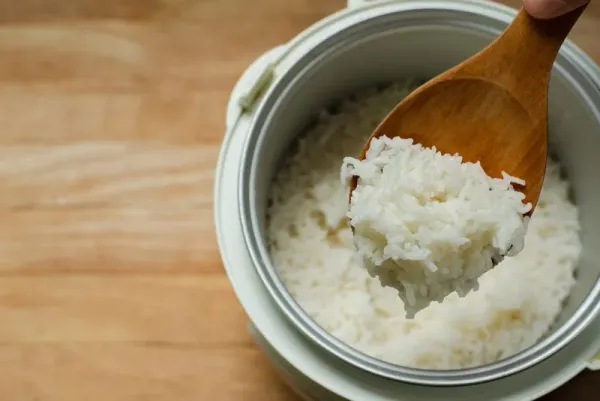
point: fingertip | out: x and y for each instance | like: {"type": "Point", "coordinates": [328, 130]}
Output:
{"type": "Point", "coordinates": [544, 9]}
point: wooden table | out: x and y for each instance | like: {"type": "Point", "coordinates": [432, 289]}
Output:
{"type": "Point", "coordinates": [111, 115]}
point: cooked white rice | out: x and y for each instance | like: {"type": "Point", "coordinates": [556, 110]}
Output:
{"type": "Point", "coordinates": [311, 246]}
{"type": "Point", "coordinates": [427, 224]}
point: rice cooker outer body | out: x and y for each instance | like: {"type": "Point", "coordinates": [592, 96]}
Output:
{"type": "Point", "coordinates": [315, 374]}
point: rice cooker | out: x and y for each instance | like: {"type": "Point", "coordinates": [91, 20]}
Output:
{"type": "Point", "coordinates": [366, 44]}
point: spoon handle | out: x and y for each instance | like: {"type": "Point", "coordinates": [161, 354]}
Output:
{"type": "Point", "coordinates": [537, 42]}
{"type": "Point", "coordinates": [521, 58]}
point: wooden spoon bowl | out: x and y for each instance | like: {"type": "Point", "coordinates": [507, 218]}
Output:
{"type": "Point", "coordinates": [492, 108]}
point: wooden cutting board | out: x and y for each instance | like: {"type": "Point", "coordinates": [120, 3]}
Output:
{"type": "Point", "coordinates": [111, 116]}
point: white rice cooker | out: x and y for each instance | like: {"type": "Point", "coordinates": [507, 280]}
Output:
{"type": "Point", "coordinates": [348, 51]}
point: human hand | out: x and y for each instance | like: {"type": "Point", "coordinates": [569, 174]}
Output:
{"type": "Point", "coordinates": [545, 9]}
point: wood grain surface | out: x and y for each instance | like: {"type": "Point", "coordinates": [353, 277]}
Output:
{"type": "Point", "coordinates": [111, 116]}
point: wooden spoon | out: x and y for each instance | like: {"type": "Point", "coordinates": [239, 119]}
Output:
{"type": "Point", "coordinates": [492, 108]}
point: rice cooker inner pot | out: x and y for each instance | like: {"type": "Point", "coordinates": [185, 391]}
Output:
{"type": "Point", "coordinates": [422, 42]}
